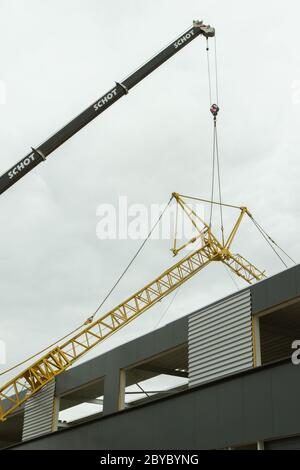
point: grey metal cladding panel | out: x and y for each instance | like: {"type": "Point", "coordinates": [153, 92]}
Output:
{"type": "Point", "coordinates": [226, 344]}
{"type": "Point", "coordinates": [222, 308]}
{"type": "Point", "coordinates": [128, 436]}
{"type": "Point", "coordinates": [229, 412]}
{"type": "Point", "coordinates": [220, 339]}
{"type": "Point", "coordinates": [38, 413]}
{"type": "Point", "coordinates": [275, 290]}
{"type": "Point", "coordinates": [258, 409]}
{"type": "Point", "coordinates": [232, 335]}
{"type": "Point", "coordinates": [228, 324]}
{"type": "Point", "coordinates": [215, 374]}
{"type": "Point", "coordinates": [217, 317]}
{"type": "Point", "coordinates": [174, 436]}
{"type": "Point", "coordinates": [286, 421]}
{"type": "Point", "coordinates": [235, 355]}
{"type": "Point", "coordinates": [221, 304]}
{"type": "Point", "coordinates": [207, 415]}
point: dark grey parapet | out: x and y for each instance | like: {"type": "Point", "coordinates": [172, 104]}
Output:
{"type": "Point", "coordinates": [257, 404]}
{"type": "Point", "coordinates": [275, 290]}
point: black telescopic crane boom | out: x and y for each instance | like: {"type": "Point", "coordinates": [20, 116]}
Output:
{"type": "Point", "coordinates": [39, 154]}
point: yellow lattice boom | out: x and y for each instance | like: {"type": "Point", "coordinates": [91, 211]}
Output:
{"type": "Point", "coordinates": [55, 361]}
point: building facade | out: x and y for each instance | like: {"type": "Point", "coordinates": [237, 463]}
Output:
{"type": "Point", "coordinates": [225, 379]}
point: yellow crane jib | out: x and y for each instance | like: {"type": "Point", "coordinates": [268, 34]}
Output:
{"type": "Point", "coordinates": [56, 360]}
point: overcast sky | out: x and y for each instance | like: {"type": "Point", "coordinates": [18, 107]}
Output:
{"type": "Point", "coordinates": [59, 56]}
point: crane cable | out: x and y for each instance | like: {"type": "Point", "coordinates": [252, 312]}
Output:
{"type": "Point", "coordinates": [41, 351]}
{"type": "Point", "coordinates": [175, 294]}
{"type": "Point", "coordinates": [130, 262]}
{"type": "Point", "coordinates": [216, 69]}
{"type": "Point", "coordinates": [272, 242]}
{"type": "Point", "coordinates": [90, 319]}
{"type": "Point", "coordinates": [216, 161]}
{"type": "Point", "coordinates": [208, 73]}
{"type": "Point", "coordinates": [214, 109]}
{"type": "Point", "coordinates": [164, 313]}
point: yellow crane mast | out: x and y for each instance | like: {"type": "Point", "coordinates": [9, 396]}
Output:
{"type": "Point", "coordinates": [18, 390]}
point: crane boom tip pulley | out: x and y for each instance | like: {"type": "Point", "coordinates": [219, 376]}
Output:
{"type": "Point", "coordinates": [207, 30]}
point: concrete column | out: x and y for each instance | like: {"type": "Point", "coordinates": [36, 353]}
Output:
{"type": "Point", "coordinates": [56, 404]}
{"type": "Point", "coordinates": [121, 403]}
{"type": "Point", "coordinates": [114, 391]}
{"type": "Point", "coordinates": [260, 445]}
{"type": "Point", "coordinates": [256, 340]}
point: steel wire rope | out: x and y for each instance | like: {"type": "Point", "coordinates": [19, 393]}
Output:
{"type": "Point", "coordinates": [90, 319]}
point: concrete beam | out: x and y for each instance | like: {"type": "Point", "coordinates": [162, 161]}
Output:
{"type": "Point", "coordinates": [161, 370]}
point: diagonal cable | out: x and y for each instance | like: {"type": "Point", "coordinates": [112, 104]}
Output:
{"type": "Point", "coordinates": [130, 262]}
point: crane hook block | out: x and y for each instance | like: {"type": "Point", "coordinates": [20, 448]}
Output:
{"type": "Point", "coordinates": [214, 109]}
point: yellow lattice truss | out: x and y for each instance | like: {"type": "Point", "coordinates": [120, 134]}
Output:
{"type": "Point", "coordinates": [54, 362]}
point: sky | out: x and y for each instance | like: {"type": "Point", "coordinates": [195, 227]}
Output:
{"type": "Point", "coordinates": [58, 57]}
